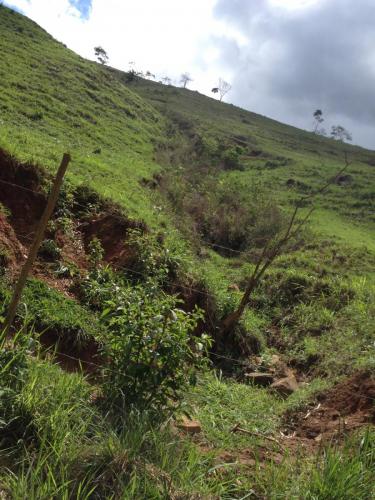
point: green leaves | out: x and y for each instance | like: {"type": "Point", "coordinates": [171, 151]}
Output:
{"type": "Point", "coordinates": [150, 347]}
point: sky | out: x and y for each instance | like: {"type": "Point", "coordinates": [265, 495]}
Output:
{"type": "Point", "coordinates": [283, 58]}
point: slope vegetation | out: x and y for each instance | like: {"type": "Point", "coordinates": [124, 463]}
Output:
{"type": "Point", "coordinates": [168, 203]}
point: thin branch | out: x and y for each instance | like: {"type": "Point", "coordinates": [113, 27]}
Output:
{"type": "Point", "coordinates": [237, 428]}
{"type": "Point", "coordinates": [264, 260]}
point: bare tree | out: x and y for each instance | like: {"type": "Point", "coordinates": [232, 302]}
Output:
{"type": "Point", "coordinates": [223, 88]}
{"type": "Point", "coordinates": [101, 54]}
{"type": "Point", "coordinates": [271, 251]}
{"type": "Point", "coordinates": [339, 133]}
{"type": "Point", "coordinates": [185, 79]}
{"type": "Point", "coordinates": [166, 80]}
{"type": "Point", "coordinates": [150, 75]}
{"type": "Point", "coordinates": [318, 117]}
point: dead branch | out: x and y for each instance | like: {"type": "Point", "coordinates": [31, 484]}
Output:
{"type": "Point", "coordinates": [237, 428]}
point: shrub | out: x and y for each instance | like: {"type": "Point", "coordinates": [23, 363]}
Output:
{"type": "Point", "coordinates": [96, 252]}
{"type": "Point", "coordinates": [231, 158]}
{"type": "Point", "coordinates": [49, 251]}
{"type": "Point", "coordinates": [86, 201]}
{"type": "Point", "coordinates": [150, 348]}
{"type": "Point", "coordinates": [152, 258]}
{"type": "Point", "coordinates": [239, 220]}
{"type": "Point", "coordinates": [207, 147]}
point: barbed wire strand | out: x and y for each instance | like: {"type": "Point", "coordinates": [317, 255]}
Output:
{"type": "Point", "coordinates": [116, 372]}
{"type": "Point", "coordinates": [91, 363]}
{"type": "Point", "coordinates": [205, 243]}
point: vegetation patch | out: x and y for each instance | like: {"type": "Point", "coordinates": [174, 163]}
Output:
{"type": "Point", "coordinates": [171, 204]}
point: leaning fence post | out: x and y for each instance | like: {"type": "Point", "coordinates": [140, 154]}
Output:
{"type": "Point", "coordinates": [38, 238]}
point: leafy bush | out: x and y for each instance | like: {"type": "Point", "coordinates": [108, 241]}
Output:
{"type": "Point", "coordinates": [152, 258]}
{"type": "Point", "coordinates": [231, 158]}
{"type": "Point", "coordinates": [151, 352]}
{"type": "Point", "coordinates": [222, 210]}
{"type": "Point", "coordinates": [86, 201]}
{"type": "Point", "coordinates": [96, 252]}
{"type": "Point", "coordinates": [150, 348]}
{"type": "Point", "coordinates": [49, 251]}
{"type": "Point", "coordinates": [238, 221]}
{"type": "Point", "coordinates": [208, 147]}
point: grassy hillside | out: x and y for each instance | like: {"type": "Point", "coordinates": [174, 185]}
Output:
{"type": "Point", "coordinates": [53, 100]}
{"type": "Point", "coordinates": [59, 101]}
{"type": "Point", "coordinates": [308, 158]}
{"type": "Point", "coordinates": [169, 200]}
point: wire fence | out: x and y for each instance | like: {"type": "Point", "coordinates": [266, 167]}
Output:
{"type": "Point", "coordinates": [28, 237]}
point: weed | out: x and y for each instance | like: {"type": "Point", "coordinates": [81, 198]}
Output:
{"type": "Point", "coordinates": [49, 251]}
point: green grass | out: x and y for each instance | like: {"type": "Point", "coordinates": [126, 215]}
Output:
{"type": "Point", "coordinates": [53, 101]}
{"type": "Point", "coordinates": [48, 311]}
{"type": "Point", "coordinates": [220, 404]}
{"type": "Point", "coordinates": [311, 159]}
{"type": "Point", "coordinates": [316, 304]}
{"type": "Point", "coordinates": [77, 452]}
{"type": "Point", "coordinates": [345, 231]}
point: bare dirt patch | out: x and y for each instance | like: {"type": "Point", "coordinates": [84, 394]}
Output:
{"type": "Point", "coordinates": [111, 229]}
{"type": "Point", "coordinates": [12, 251]}
{"type": "Point", "coordinates": [88, 358]}
{"type": "Point", "coordinates": [346, 407]}
{"type": "Point", "coordinates": [21, 193]}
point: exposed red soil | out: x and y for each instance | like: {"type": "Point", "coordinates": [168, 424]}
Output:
{"type": "Point", "coordinates": [21, 193]}
{"type": "Point", "coordinates": [87, 359]}
{"type": "Point", "coordinates": [9, 244]}
{"type": "Point", "coordinates": [346, 407]}
{"type": "Point", "coordinates": [111, 229]}
{"type": "Point", "coordinates": [73, 249]}
{"type": "Point", "coordinates": [22, 196]}
{"type": "Point", "coordinates": [336, 413]}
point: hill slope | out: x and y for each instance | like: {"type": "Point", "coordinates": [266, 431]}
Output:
{"type": "Point", "coordinates": [200, 172]}
{"type": "Point", "coordinates": [171, 197]}
{"type": "Point", "coordinates": [59, 101]}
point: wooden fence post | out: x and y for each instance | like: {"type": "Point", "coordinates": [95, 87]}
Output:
{"type": "Point", "coordinates": [36, 243]}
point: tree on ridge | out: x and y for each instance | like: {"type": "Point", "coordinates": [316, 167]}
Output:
{"type": "Point", "coordinates": [101, 54]}
{"type": "Point", "coordinates": [185, 79]}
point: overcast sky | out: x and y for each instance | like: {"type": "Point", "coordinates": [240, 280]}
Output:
{"type": "Point", "coordinates": [284, 58]}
